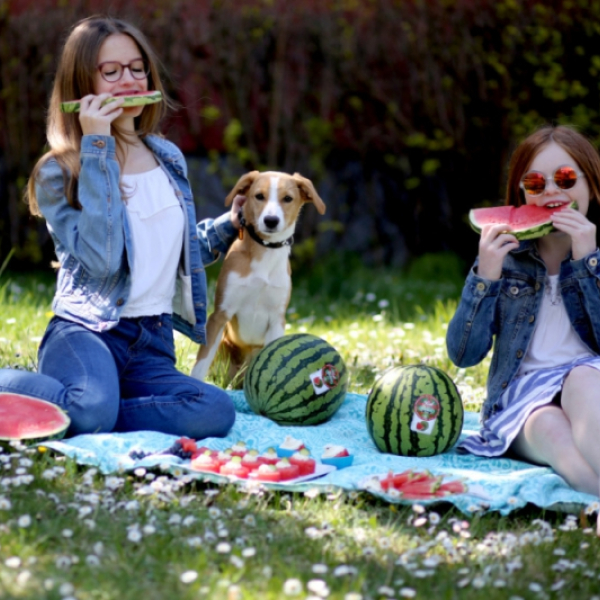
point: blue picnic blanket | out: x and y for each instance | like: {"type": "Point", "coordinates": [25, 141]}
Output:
{"type": "Point", "coordinates": [493, 484]}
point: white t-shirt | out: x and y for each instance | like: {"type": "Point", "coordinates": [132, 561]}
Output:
{"type": "Point", "coordinates": [156, 222]}
{"type": "Point", "coordinates": [554, 341]}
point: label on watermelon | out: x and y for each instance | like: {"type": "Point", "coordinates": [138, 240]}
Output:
{"type": "Point", "coordinates": [425, 414]}
{"type": "Point", "coordinates": [325, 379]}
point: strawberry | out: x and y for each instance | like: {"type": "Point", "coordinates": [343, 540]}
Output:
{"type": "Point", "coordinates": [187, 444]}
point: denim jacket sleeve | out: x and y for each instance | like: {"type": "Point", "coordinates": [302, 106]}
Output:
{"type": "Point", "coordinates": [470, 332]}
{"type": "Point", "coordinates": [215, 236]}
{"type": "Point", "coordinates": [582, 299]}
{"type": "Point", "coordinates": [93, 235]}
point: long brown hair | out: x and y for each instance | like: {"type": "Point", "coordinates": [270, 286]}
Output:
{"type": "Point", "coordinates": [571, 141]}
{"type": "Point", "coordinates": [75, 79]}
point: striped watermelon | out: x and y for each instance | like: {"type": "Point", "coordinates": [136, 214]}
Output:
{"type": "Point", "coordinates": [297, 379]}
{"type": "Point", "coordinates": [414, 411]}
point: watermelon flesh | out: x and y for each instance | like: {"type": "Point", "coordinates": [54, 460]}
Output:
{"type": "Point", "coordinates": [525, 222]}
{"type": "Point", "coordinates": [133, 99]}
{"type": "Point", "coordinates": [30, 419]}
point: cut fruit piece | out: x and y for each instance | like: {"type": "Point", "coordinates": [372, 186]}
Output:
{"type": "Point", "coordinates": [266, 473]}
{"type": "Point", "coordinates": [525, 222]}
{"type": "Point", "coordinates": [133, 99]}
{"type": "Point", "coordinates": [30, 419]}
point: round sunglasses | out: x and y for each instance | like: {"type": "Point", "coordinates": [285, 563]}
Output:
{"type": "Point", "coordinates": [565, 178]}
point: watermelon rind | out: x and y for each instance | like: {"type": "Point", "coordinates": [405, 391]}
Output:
{"type": "Point", "coordinates": [526, 233]}
{"type": "Point", "coordinates": [30, 420]}
{"type": "Point", "coordinates": [73, 106]}
{"type": "Point", "coordinates": [390, 410]}
{"type": "Point", "coordinates": [277, 383]}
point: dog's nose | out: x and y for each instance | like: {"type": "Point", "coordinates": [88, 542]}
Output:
{"type": "Point", "coordinates": [271, 222]}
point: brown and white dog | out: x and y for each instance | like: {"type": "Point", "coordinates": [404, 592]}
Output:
{"type": "Point", "coordinates": [254, 285]}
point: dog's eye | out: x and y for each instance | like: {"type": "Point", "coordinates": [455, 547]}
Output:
{"type": "Point", "coordinates": [260, 196]}
{"type": "Point", "coordinates": [287, 198]}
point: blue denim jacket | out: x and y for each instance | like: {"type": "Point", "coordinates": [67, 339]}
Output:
{"type": "Point", "coordinates": [504, 313]}
{"type": "Point", "coordinates": [93, 244]}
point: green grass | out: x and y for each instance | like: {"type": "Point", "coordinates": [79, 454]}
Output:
{"type": "Point", "coordinates": [68, 532]}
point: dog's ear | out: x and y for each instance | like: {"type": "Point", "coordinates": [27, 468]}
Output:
{"type": "Point", "coordinates": [242, 186]}
{"type": "Point", "coordinates": [308, 192]}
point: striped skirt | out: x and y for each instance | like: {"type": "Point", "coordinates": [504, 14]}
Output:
{"type": "Point", "coordinates": [524, 395]}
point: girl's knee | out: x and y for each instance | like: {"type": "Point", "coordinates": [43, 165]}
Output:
{"type": "Point", "coordinates": [580, 391]}
{"type": "Point", "coordinates": [223, 415]}
{"type": "Point", "coordinates": [92, 413]}
{"type": "Point", "coordinates": [214, 417]}
{"type": "Point", "coordinates": [581, 376]}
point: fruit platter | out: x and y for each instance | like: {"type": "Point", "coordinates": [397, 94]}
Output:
{"type": "Point", "coordinates": [291, 462]}
{"type": "Point", "coordinates": [413, 485]}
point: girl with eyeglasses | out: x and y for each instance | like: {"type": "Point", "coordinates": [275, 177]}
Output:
{"type": "Point", "coordinates": [119, 208]}
{"type": "Point", "coordinates": [537, 303]}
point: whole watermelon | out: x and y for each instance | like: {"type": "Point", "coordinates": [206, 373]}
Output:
{"type": "Point", "coordinates": [298, 379]}
{"type": "Point", "coordinates": [414, 411]}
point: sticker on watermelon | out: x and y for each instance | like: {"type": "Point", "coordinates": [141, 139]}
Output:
{"type": "Point", "coordinates": [325, 379]}
{"type": "Point", "coordinates": [525, 222]}
{"type": "Point", "coordinates": [425, 413]}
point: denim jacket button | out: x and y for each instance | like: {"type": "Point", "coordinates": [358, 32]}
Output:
{"type": "Point", "coordinates": [120, 302]}
{"type": "Point", "coordinates": [504, 384]}
{"type": "Point", "coordinates": [598, 282]}
{"type": "Point", "coordinates": [519, 353]}
{"type": "Point", "coordinates": [531, 318]}
{"type": "Point", "coordinates": [593, 262]}
{"type": "Point", "coordinates": [537, 286]}
{"type": "Point", "coordinates": [99, 143]}
{"type": "Point", "coordinates": [514, 290]}
{"type": "Point", "coordinates": [481, 286]}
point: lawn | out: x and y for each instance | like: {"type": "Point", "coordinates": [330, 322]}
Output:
{"type": "Point", "coordinates": [68, 532]}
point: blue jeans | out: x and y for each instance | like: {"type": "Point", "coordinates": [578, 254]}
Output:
{"type": "Point", "coordinates": [123, 379]}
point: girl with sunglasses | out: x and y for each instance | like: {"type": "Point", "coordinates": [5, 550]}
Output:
{"type": "Point", "coordinates": [119, 208]}
{"type": "Point", "coordinates": [538, 304]}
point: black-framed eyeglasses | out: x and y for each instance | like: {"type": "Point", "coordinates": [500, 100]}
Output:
{"type": "Point", "coordinates": [112, 71]}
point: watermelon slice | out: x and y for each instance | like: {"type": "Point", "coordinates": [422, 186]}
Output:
{"type": "Point", "coordinates": [29, 419]}
{"type": "Point", "coordinates": [525, 222]}
{"type": "Point", "coordinates": [134, 99]}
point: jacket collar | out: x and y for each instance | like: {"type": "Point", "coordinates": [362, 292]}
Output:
{"type": "Point", "coordinates": [161, 147]}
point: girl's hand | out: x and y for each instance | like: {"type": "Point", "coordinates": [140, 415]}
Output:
{"type": "Point", "coordinates": [238, 202]}
{"type": "Point", "coordinates": [582, 231]}
{"type": "Point", "coordinates": [495, 243]}
{"type": "Point", "coordinates": [96, 119]}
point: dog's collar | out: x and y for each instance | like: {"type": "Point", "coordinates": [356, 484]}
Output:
{"type": "Point", "coordinates": [252, 233]}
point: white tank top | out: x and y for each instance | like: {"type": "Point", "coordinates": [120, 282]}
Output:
{"type": "Point", "coordinates": [156, 222]}
{"type": "Point", "coordinates": [554, 341]}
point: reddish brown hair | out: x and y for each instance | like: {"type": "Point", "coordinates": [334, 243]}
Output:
{"type": "Point", "coordinates": [571, 141]}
